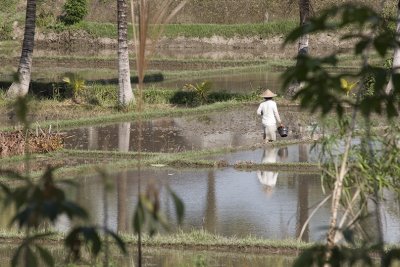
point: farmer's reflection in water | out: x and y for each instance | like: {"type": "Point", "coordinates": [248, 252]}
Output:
{"type": "Point", "coordinates": [268, 178]}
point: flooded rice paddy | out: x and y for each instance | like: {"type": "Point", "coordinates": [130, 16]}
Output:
{"type": "Point", "coordinates": [228, 202]}
{"type": "Point", "coordinates": [271, 204]}
{"type": "Point", "coordinates": [233, 128]}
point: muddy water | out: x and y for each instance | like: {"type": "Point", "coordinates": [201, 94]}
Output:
{"type": "Point", "coordinates": [228, 202]}
{"type": "Point", "coordinates": [234, 128]}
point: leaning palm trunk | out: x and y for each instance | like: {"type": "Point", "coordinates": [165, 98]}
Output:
{"type": "Point", "coordinates": [125, 94]}
{"type": "Point", "coordinates": [20, 87]}
{"type": "Point", "coordinates": [305, 8]}
{"type": "Point", "coordinates": [396, 54]}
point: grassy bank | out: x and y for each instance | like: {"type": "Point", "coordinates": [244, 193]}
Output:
{"type": "Point", "coordinates": [73, 164]}
{"type": "Point", "coordinates": [259, 30]}
{"type": "Point", "coordinates": [196, 239]}
{"type": "Point", "coordinates": [84, 115]}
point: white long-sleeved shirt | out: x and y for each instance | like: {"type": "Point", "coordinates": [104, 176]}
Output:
{"type": "Point", "coordinates": [269, 112]}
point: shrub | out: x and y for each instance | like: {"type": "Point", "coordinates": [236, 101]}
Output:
{"type": "Point", "coordinates": [75, 84]}
{"type": "Point", "coordinates": [74, 11]}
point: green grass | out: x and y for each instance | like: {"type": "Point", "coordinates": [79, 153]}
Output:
{"type": "Point", "coordinates": [193, 239]}
{"type": "Point", "coordinates": [261, 30]}
{"type": "Point", "coordinates": [115, 116]}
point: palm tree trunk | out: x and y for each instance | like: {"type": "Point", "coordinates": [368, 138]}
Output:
{"type": "Point", "coordinates": [305, 8]}
{"type": "Point", "coordinates": [21, 86]}
{"type": "Point", "coordinates": [125, 95]}
{"type": "Point", "coordinates": [396, 54]}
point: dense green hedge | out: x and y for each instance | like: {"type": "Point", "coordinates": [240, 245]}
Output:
{"type": "Point", "coordinates": [190, 98]}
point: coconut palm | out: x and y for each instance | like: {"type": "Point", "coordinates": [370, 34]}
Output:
{"type": "Point", "coordinates": [20, 86]}
{"type": "Point", "coordinates": [396, 53]}
{"type": "Point", "coordinates": [305, 9]}
{"type": "Point", "coordinates": [125, 94]}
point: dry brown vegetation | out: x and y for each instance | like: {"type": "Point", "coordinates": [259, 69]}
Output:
{"type": "Point", "coordinates": [13, 143]}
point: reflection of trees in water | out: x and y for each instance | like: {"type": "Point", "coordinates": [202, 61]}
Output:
{"type": "Point", "coordinates": [122, 201]}
{"type": "Point", "coordinates": [302, 195]}
{"type": "Point", "coordinates": [124, 130]}
{"type": "Point", "coordinates": [211, 206]}
{"type": "Point", "coordinates": [93, 138]}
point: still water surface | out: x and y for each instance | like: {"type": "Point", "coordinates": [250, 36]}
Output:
{"type": "Point", "coordinates": [233, 128]}
{"type": "Point", "coordinates": [172, 258]}
{"type": "Point", "coordinates": [228, 202]}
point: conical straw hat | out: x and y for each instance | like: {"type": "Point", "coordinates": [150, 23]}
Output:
{"type": "Point", "coordinates": [268, 93]}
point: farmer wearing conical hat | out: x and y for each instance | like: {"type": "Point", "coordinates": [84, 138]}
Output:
{"type": "Point", "coordinates": [270, 116]}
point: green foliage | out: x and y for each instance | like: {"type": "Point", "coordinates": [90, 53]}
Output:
{"type": "Point", "coordinates": [28, 251]}
{"type": "Point", "coordinates": [341, 256]}
{"type": "Point", "coordinates": [106, 95]}
{"type": "Point", "coordinates": [5, 29]}
{"type": "Point", "coordinates": [321, 90]}
{"type": "Point", "coordinates": [44, 201]}
{"type": "Point", "coordinates": [347, 86]}
{"type": "Point", "coordinates": [38, 202]}
{"type": "Point", "coordinates": [371, 166]}
{"type": "Point", "coordinates": [89, 235]}
{"type": "Point", "coordinates": [74, 11]}
{"type": "Point", "coordinates": [109, 30]}
{"type": "Point", "coordinates": [381, 172]}
{"type": "Point", "coordinates": [35, 204]}
{"type": "Point", "coordinates": [21, 106]}
{"type": "Point", "coordinates": [75, 83]}
{"type": "Point", "coordinates": [100, 95]}
{"type": "Point", "coordinates": [202, 90]}
{"type": "Point", "coordinates": [345, 256]}
{"type": "Point", "coordinates": [45, 14]}
{"type": "Point", "coordinates": [41, 202]}
{"type": "Point", "coordinates": [229, 31]}
{"type": "Point", "coordinates": [147, 214]}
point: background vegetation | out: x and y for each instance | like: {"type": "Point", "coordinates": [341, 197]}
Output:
{"type": "Point", "coordinates": [259, 18]}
